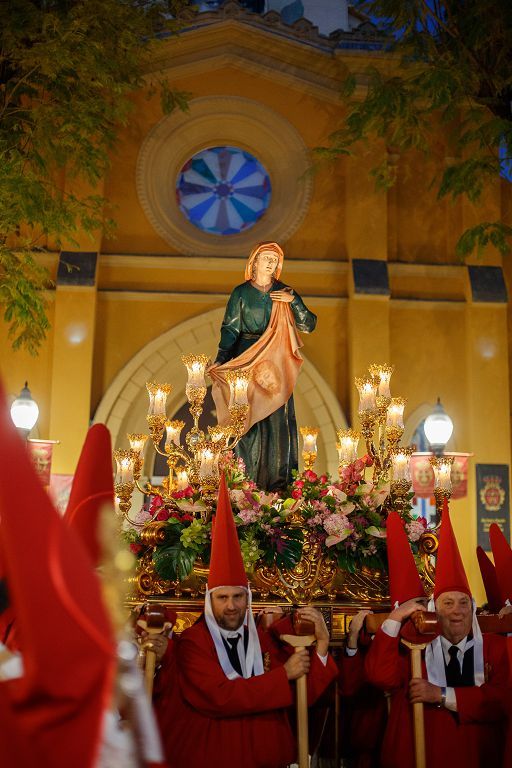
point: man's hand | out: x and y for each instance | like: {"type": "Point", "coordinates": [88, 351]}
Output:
{"type": "Point", "coordinates": [298, 664]}
{"type": "Point", "coordinates": [286, 296]}
{"type": "Point", "coordinates": [355, 627]}
{"type": "Point", "coordinates": [157, 643]}
{"type": "Point", "coordinates": [506, 609]}
{"type": "Point", "coordinates": [407, 609]}
{"type": "Point", "coordinates": [321, 632]}
{"type": "Point", "coordinates": [422, 691]}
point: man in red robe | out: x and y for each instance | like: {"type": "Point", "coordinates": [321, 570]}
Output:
{"type": "Point", "coordinates": [231, 688]}
{"type": "Point", "coordinates": [464, 685]}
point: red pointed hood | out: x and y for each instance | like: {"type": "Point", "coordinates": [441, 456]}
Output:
{"type": "Point", "coordinates": [93, 487]}
{"type": "Point", "coordinates": [226, 565]}
{"type": "Point", "coordinates": [68, 648]}
{"type": "Point", "coordinates": [450, 573]}
{"type": "Point", "coordinates": [490, 581]}
{"type": "Point", "coordinates": [503, 561]}
{"type": "Point", "coordinates": [404, 580]}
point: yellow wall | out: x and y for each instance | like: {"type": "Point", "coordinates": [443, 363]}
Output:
{"type": "Point", "coordinates": [428, 326]}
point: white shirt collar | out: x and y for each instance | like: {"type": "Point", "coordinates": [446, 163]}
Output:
{"type": "Point", "coordinates": [465, 644]}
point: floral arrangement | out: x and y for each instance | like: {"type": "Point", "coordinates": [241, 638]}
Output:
{"type": "Point", "coordinates": [347, 518]}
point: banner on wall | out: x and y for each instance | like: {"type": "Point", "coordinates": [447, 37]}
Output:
{"type": "Point", "coordinates": [41, 454]}
{"type": "Point", "coordinates": [492, 500]}
{"type": "Point", "coordinates": [423, 475]}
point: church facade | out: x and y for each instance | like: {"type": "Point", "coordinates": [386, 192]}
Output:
{"type": "Point", "coordinates": [378, 268]}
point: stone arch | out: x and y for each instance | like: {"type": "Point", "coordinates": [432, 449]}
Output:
{"type": "Point", "coordinates": [123, 407]}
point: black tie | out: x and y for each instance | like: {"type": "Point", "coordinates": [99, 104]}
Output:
{"type": "Point", "coordinates": [231, 645]}
{"type": "Point", "coordinates": [453, 673]}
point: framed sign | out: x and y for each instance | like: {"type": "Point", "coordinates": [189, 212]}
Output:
{"type": "Point", "coordinates": [492, 500]}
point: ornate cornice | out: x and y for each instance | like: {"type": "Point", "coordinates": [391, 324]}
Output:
{"type": "Point", "coordinates": [364, 36]}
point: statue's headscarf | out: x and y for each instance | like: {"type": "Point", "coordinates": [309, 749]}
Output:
{"type": "Point", "coordinates": [266, 246]}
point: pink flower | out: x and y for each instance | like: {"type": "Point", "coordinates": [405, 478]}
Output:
{"type": "Point", "coordinates": [368, 460]}
{"type": "Point", "coordinates": [415, 529]}
{"type": "Point", "coordinates": [359, 465]}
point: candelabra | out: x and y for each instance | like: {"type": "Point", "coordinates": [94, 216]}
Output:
{"type": "Point", "coordinates": [442, 466]}
{"type": "Point", "coordinates": [195, 463]}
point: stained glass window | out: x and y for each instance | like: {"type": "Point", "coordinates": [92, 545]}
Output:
{"type": "Point", "coordinates": [223, 190]}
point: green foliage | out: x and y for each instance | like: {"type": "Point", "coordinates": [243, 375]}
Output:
{"type": "Point", "coordinates": [174, 562]}
{"type": "Point", "coordinates": [449, 64]}
{"type": "Point", "coordinates": [67, 71]}
{"type": "Point", "coordinates": [284, 548]}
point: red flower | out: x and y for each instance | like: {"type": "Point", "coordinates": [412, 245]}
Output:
{"type": "Point", "coordinates": [323, 478]}
{"type": "Point", "coordinates": [359, 464]}
{"type": "Point", "coordinates": [163, 515]}
{"type": "Point", "coordinates": [299, 484]}
{"type": "Point", "coordinates": [368, 460]}
{"type": "Point", "coordinates": [156, 503]}
{"type": "Point", "coordinates": [136, 548]}
{"type": "Point", "coordinates": [310, 476]}
{"type": "Point", "coordinates": [324, 492]}
{"type": "Point", "coordinates": [296, 493]}
{"type": "Point", "coordinates": [188, 492]}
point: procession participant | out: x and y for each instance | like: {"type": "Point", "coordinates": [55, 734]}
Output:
{"type": "Point", "coordinates": [503, 560]}
{"type": "Point", "coordinates": [57, 702]}
{"type": "Point", "coordinates": [363, 711]}
{"type": "Point", "coordinates": [130, 733]}
{"type": "Point", "coordinates": [490, 581]}
{"type": "Point", "coordinates": [259, 332]}
{"type": "Point", "coordinates": [464, 686]}
{"type": "Point", "coordinates": [230, 706]}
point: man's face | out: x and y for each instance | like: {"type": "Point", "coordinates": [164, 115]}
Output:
{"type": "Point", "coordinates": [229, 606]}
{"type": "Point", "coordinates": [455, 615]}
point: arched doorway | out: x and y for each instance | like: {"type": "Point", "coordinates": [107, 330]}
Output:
{"type": "Point", "coordinates": [124, 405]}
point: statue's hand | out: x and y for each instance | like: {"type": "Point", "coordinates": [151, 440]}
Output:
{"type": "Point", "coordinates": [284, 295]}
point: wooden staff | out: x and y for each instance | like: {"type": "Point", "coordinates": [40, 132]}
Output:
{"type": "Point", "coordinates": [417, 707]}
{"type": "Point", "coordinates": [154, 624]}
{"type": "Point", "coordinates": [298, 642]}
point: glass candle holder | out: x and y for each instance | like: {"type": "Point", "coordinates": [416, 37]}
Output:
{"type": "Point", "coordinates": [125, 463]}
{"type": "Point", "coordinates": [348, 441]}
{"type": "Point", "coordinates": [382, 376]}
{"type": "Point", "coordinates": [401, 464]}
{"type": "Point", "coordinates": [157, 398]}
{"type": "Point", "coordinates": [238, 386]}
{"type": "Point", "coordinates": [395, 413]}
{"type": "Point", "coordinates": [173, 433]}
{"type": "Point", "coordinates": [367, 394]}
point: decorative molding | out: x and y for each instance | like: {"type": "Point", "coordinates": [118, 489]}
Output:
{"type": "Point", "coordinates": [215, 121]}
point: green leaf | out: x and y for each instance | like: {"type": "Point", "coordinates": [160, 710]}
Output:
{"type": "Point", "coordinates": [174, 562]}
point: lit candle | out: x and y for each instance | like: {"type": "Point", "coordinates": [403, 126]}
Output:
{"type": "Point", "coordinates": [182, 479]}
{"type": "Point", "coordinates": [125, 461]}
{"type": "Point", "coordinates": [157, 398]}
{"type": "Point", "coordinates": [309, 435]}
{"type": "Point", "coordinates": [395, 413]}
{"type": "Point", "coordinates": [367, 394]}
{"type": "Point", "coordinates": [196, 366]}
{"type": "Point", "coordinates": [209, 459]}
{"type": "Point", "coordinates": [401, 464]}
{"type": "Point", "coordinates": [382, 374]}
{"type": "Point", "coordinates": [173, 430]}
{"type": "Point", "coordinates": [238, 386]}
{"type": "Point", "coordinates": [137, 444]}
{"type": "Point", "coordinates": [442, 472]}
{"type": "Point", "coordinates": [347, 445]}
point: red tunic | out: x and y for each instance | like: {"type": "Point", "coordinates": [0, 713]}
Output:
{"type": "Point", "coordinates": [470, 738]}
{"type": "Point", "coordinates": [210, 720]}
{"type": "Point", "coordinates": [363, 711]}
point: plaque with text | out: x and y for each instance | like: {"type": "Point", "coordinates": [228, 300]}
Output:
{"type": "Point", "coordinates": [492, 501]}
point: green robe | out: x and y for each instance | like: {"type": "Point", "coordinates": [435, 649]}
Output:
{"type": "Point", "coordinates": [270, 447]}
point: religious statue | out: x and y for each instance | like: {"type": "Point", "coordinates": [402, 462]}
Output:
{"type": "Point", "coordinates": [259, 332]}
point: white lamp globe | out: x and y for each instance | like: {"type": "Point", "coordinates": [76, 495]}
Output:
{"type": "Point", "coordinates": [24, 410]}
{"type": "Point", "coordinates": [438, 427]}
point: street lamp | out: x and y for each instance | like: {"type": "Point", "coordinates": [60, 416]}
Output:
{"type": "Point", "coordinates": [24, 412]}
{"type": "Point", "coordinates": [438, 428]}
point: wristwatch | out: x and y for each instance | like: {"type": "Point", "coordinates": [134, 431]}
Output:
{"type": "Point", "coordinates": [443, 698]}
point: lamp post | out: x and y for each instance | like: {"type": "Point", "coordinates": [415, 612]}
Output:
{"type": "Point", "coordinates": [24, 412]}
{"type": "Point", "coordinates": [438, 430]}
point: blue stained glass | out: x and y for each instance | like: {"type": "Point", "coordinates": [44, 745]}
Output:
{"type": "Point", "coordinates": [223, 190]}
